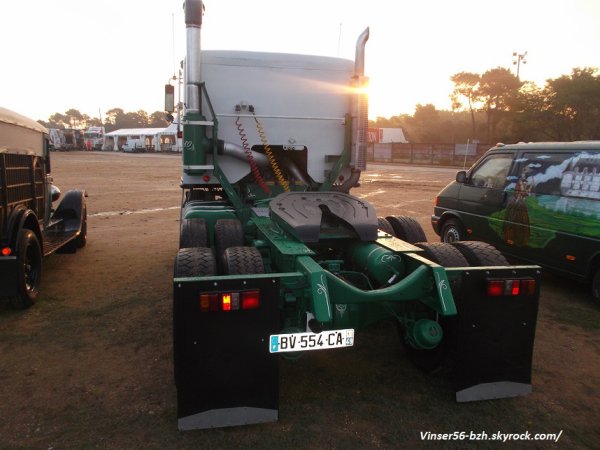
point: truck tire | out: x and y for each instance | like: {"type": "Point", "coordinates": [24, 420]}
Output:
{"type": "Point", "coordinates": [194, 262]}
{"type": "Point", "coordinates": [453, 230]}
{"type": "Point", "coordinates": [29, 270]}
{"type": "Point", "coordinates": [228, 233]}
{"type": "Point", "coordinates": [194, 233]}
{"type": "Point", "coordinates": [480, 253]}
{"type": "Point", "coordinates": [444, 254]}
{"type": "Point", "coordinates": [440, 358]}
{"type": "Point", "coordinates": [243, 261]}
{"type": "Point", "coordinates": [407, 228]}
{"type": "Point", "coordinates": [384, 225]}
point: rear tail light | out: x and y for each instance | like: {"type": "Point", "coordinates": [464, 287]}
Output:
{"type": "Point", "coordinates": [511, 288]}
{"type": "Point", "coordinates": [209, 302]}
{"type": "Point", "coordinates": [250, 300]}
{"type": "Point", "coordinates": [229, 301]}
{"type": "Point", "coordinates": [6, 251]}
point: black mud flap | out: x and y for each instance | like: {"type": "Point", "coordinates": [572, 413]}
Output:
{"type": "Point", "coordinates": [224, 373]}
{"type": "Point", "coordinates": [495, 333]}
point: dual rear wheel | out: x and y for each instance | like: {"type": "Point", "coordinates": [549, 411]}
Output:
{"type": "Point", "coordinates": [228, 257]}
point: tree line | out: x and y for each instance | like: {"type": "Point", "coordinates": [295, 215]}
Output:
{"type": "Point", "coordinates": [498, 107]}
{"type": "Point", "coordinates": [491, 107]}
{"type": "Point", "coordinates": [116, 118]}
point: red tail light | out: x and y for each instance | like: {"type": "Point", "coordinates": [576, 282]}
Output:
{"type": "Point", "coordinates": [510, 288]}
{"type": "Point", "coordinates": [250, 300]}
{"type": "Point", "coordinates": [495, 288]}
{"type": "Point", "coordinates": [6, 251]}
{"type": "Point", "coordinates": [209, 302]}
{"type": "Point", "coordinates": [226, 302]}
{"type": "Point", "coordinates": [229, 301]}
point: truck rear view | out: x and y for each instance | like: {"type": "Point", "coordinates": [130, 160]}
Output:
{"type": "Point", "coordinates": [277, 257]}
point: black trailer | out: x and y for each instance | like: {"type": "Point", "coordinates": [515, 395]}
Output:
{"type": "Point", "coordinates": [30, 226]}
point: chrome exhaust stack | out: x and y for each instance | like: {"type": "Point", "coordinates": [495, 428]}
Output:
{"type": "Point", "coordinates": [358, 160]}
{"type": "Point", "coordinates": [360, 118]}
{"type": "Point", "coordinates": [193, 77]}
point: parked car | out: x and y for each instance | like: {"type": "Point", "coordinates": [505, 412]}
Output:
{"type": "Point", "coordinates": [538, 202]}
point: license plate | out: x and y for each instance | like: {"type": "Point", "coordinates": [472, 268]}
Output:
{"type": "Point", "coordinates": [300, 342]}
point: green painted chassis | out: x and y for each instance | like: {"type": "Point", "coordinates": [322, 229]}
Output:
{"type": "Point", "coordinates": [425, 290]}
{"type": "Point", "coordinates": [311, 283]}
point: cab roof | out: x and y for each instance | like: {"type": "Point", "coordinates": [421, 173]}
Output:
{"type": "Point", "coordinates": [14, 118]}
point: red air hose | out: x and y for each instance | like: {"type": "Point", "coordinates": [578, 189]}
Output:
{"type": "Point", "coordinates": [248, 151]}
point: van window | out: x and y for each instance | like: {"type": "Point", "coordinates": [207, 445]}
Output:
{"type": "Point", "coordinates": [566, 174]}
{"type": "Point", "coordinates": [492, 172]}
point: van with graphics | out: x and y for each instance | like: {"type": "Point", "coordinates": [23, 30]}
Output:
{"type": "Point", "coordinates": [538, 202]}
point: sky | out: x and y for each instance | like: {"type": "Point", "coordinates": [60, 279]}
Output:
{"type": "Point", "coordinates": [98, 55]}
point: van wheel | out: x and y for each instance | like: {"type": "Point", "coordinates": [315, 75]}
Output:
{"type": "Point", "coordinates": [29, 270]}
{"type": "Point", "coordinates": [596, 287]}
{"type": "Point", "coordinates": [453, 230]}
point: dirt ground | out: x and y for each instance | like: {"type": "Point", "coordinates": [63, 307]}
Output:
{"type": "Point", "coordinates": [90, 364]}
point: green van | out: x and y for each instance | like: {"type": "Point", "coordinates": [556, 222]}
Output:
{"type": "Point", "coordinates": [538, 202]}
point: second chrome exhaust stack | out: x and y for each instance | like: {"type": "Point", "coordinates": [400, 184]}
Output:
{"type": "Point", "coordinates": [358, 160]}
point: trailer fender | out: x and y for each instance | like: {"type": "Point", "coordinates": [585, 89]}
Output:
{"type": "Point", "coordinates": [20, 218]}
{"type": "Point", "coordinates": [71, 210]}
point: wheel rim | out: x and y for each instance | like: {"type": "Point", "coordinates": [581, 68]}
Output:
{"type": "Point", "coordinates": [452, 235]}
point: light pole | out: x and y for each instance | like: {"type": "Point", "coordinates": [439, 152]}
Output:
{"type": "Point", "coordinates": [519, 58]}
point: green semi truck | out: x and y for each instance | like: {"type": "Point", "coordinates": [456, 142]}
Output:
{"type": "Point", "coordinates": [277, 258]}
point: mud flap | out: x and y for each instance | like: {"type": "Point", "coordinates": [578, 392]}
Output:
{"type": "Point", "coordinates": [224, 373]}
{"type": "Point", "coordinates": [495, 336]}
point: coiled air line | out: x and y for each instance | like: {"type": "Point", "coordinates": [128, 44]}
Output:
{"type": "Point", "coordinates": [272, 161]}
{"type": "Point", "coordinates": [257, 176]}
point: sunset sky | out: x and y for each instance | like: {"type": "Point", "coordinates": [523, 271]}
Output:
{"type": "Point", "coordinates": [97, 55]}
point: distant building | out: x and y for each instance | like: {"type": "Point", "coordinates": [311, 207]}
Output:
{"type": "Point", "coordinates": [386, 135]}
{"type": "Point", "coordinates": [144, 139]}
